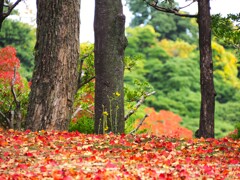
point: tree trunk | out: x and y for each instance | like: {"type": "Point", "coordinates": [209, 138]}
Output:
{"type": "Point", "coordinates": [206, 129]}
{"type": "Point", "coordinates": [54, 81]}
{"type": "Point", "coordinates": [110, 42]}
{"type": "Point", "coordinates": [1, 12]}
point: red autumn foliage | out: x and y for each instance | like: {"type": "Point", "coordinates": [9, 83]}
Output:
{"type": "Point", "coordinates": [8, 61]}
{"type": "Point", "coordinates": [64, 155]}
{"type": "Point", "coordinates": [164, 123]}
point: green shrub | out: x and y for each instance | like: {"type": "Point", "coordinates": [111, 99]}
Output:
{"type": "Point", "coordinates": [83, 125]}
{"type": "Point", "coordinates": [236, 133]}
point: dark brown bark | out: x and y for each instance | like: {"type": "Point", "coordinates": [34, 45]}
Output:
{"type": "Point", "coordinates": [54, 81]}
{"type": "Point", "coordinates": [206, 128]}
{"type": "Point", "coordinates": [110, 42]}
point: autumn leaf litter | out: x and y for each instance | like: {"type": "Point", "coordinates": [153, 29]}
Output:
{"type": "Point", "coordinates": [64, 155]}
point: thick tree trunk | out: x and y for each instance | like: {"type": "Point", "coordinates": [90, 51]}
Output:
{"type": "Point", "coordinates": [110, 42]}
{"type": "Point", "coordinates": [54, 81]}
{"type": "Point", "coordinates": [206, 129]}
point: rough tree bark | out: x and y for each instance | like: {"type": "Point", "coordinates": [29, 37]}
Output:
{"type": "Point", "coordinates": [206, 128]}
{"type": "Point", "coordinates": [54, 81]}
{"type": "Point", "coordinates": [110, 42]}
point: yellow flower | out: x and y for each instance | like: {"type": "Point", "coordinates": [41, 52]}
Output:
{"type": "Point", "coordinates": [117, 94]}
{"type": "Point", "coordinates": [106, 128]}
{"type": "Point", "coordinates": [105, 113]}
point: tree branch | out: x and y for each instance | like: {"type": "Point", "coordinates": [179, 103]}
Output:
{"type": "Point", "coordinates": [139, 125]}
{"type": "Point", "coordinates": [80, 109]}
{"type": "Point", "coordinates": [140, 101]}
{"type": "Point", "coordinates": [188, 4]}
{"type": "Point", "coordinates": [12, 86]}
{"type": "Point", "coordinates": [5, 117]}
{"type": "Point", "coordinates": [80, 70]}
{"type": "Point", "coordinates": [10, 9]}
{"type": "Point", "coordinates": [85, 82]}
{"type": "Point", "coordinates": [171, 11]}
{"type": "Point", "coordinates": [18, 105]}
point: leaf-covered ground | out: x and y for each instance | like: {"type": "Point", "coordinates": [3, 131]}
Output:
{"type": "Point", "coordinates": [64, 155]}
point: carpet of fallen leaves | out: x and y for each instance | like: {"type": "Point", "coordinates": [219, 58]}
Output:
{"type": "Point", "coordinates": [64, 155]}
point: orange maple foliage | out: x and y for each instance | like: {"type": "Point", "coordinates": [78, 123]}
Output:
{"type": "Point", "coordinates": [164, 123]}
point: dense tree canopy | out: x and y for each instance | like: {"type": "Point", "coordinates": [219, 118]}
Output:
{"type": "Point", "coordinates": [168, 25]}
{"type": "Point", "coordinates": [173, 71]}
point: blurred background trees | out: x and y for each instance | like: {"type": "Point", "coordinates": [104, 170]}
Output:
{"type": "Point", "coordinates": [22, 37]}
{"type": "Point", "coordinates": [167, 63]}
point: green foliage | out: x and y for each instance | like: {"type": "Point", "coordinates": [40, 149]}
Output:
{"type": "Point", "coordinates": [7, 100]}
{"type": "Point", "coordinates": [223, 128]}
{"type": "Point", "coordinates": [143, 43]}
{"type": "Point", "coordinates": [86, 64]}
{"type": "Point", "coordinates": [130, 123]}
{"type": "Point", "coordinates": [84, 98]}
{"type": "Point", "coordinates": [83, 125]}
{"type": "Point", "coordinates": [228, 112]}
{"type": "Point", "coordinates": [169, 26]}
{"type": "Point", "coordinates": [22, 37]}
{"type": "Point", "coordinates": [236, 133]}
{"type": "Point", "coordinates": [134, 87]}
{"type": "Point", "coordinates": [174, 74]}
{"type": "Point", "coordinates": [227, 29]}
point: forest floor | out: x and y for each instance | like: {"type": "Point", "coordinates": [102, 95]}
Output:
{"type": "Point", "coordinates": [67, 156]}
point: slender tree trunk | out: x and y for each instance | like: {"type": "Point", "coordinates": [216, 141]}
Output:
{"type": "Point", "coordinates": [1, 13]}
{"type": "Point", "coordinates": [110, 42]}
{"type": "Point", "coordinates": [206, 129]}
{"type": "Point", "coordinates": [54, 81]}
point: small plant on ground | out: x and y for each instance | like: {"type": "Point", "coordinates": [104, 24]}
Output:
{"type": "Point", "coordinates": [83, 125]}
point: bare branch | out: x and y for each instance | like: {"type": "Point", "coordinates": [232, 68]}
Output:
{"type": "Point", "coordinates": [140, 101]}
{"type": "Point", "coordinates": [139, 125]}
{"type": "Point", "coordinates": [10, 9]}
{"type": "Point", "coordinates": [188, 4]}
{"type": "Point", "coordinates": [80, 109]}
{"type": "Point", "coordinates": [85, 82]}
{"type": "Point", "coordinates": [80, 69]}
{"type": "Point", "coordinates": [76, 111]}
{"type": "Point", "coordinates": [18, 105]}
{"type": "Point", "coordinates": [167, 10]}
{"type": "Point", "coordinates": [6, 118]}
{"type": "Point", "coordinates": [12, 86]}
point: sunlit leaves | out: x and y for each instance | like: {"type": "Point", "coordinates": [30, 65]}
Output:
{"type": "Point", "coordinates": [178, 48]}
{"type": "Point", "coordinates": [63, 155]}
{"type": "Point", "coordinates": [225, 65]}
